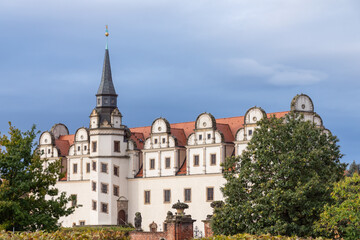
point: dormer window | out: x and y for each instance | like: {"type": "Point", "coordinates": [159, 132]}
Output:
{"type": "Point", "coordinates": [250, 132]}
{"type": "Point", "coordinates": [155, 141]}
{"type": "Point", "coordinates": [163, 140]}
{"type": "Point", "coordinates": [200, 137]}
{"type": "Point", "coordinates": [209, 135]}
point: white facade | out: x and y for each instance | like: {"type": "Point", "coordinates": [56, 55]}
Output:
{"type": "Point", "coordinates": [115, 171]}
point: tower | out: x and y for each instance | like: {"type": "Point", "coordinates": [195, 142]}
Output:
{"type": "Point", "coordinates": [108, 144]}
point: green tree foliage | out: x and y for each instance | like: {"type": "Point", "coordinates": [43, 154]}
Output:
{"type": "Point", "coordinates": [28, 198]}
{"type": "Point", "coordinates": [342, 219]}
{"type": "Point", "coordinates": [281, 182]}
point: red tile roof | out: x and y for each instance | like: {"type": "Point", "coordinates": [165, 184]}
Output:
{"type": "Point", "coordinates": [140, 173]}
{"type": "Point", "coordinates": [228, 127]}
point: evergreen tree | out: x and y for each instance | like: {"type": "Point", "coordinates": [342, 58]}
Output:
{"type": "Point", "coordinates": [281, 182]}
{"type": "Point", "coordinates": [354, 168]}
{"type": "Point", "coordinates": [28, 199]}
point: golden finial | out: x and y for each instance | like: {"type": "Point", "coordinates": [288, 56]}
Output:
{"type": "Point", "coordinates": [106, 31]}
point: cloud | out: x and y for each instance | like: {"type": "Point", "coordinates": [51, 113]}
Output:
{"type": "Point", "coordinates": [276, 74]}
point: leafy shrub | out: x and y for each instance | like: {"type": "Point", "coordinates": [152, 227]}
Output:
{"type": "Point", "coordinates": [245, 236]}
{"type": "Point", "coordinates": [72, 233]}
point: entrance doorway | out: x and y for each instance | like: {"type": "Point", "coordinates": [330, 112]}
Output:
{"type": "Point", "coordinates": [121, 217]}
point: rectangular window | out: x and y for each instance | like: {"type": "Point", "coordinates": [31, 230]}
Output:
{"type": "Point", "coordinates": [212, 159]}
{"type": "Point", "coordinates": [94, 146]}
{"type": "Point", "coordinates": [116, 171]}
{"type": "Point", "coordinates": [152, 163]}
{"type": "Point", "coordinates": [75, 168]}
{"type": "Point", "coordinates": [104, 207]}
{"type": "Point", "coordinates": [87, 167]}
{"type": "Point", "coordinates": [116, 146]}
{"type": "Point", "coordinates": [116, 190]}
{"type": "Point", "coordinates": [147, 197]}
{"type": "Point", "coordinates": [209, 194]}
{"type": "Point", "coordinates": [104, 167]}
{"type": "Point", "coordinates": [167, 196]}
{"type": "Point", "coordinates": [94, 205]}
{"type": "Point", "coordinates": [196, 160]}
{"type": "Point", "coordinates": [250, 132]}
{"type": "Point", "coordinates": [73, 200]}
{"type": "Point", "coordinates": [155, 140]}
{"type": "Point", "coordinates": [104, 188]}
{"type": "Point", "coordinates": [49, 150]}
{"type": "Point", "coordinates": [167, 162]}
{"type": "Point", "coordinates": [93, 186]}
{"type": "Point", "coordinates": [209, 135]}
{"type": "Point", "coordinates": [79, 148]}
{"type": "Point", "coordinates": [82, 223]}
{"type": "Point", "coordinates": [85, 148]}
{"type": "Point", "coordinates": [200, 137]}
{"type": "Point", "coordinates": [163, 140]}
{"type": "Point", "coordinates": [187, 195]}
{"type": "Point", "coordinates": [94, 166]}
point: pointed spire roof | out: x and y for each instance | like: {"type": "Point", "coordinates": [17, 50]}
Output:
{"type": "Point", "coordinates": [106, 86]}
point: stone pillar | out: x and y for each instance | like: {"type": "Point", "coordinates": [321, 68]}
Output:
{"type": "Point", "coordinates": [207, 227]}
{"type": "Point", "coordinates": [179, 227]}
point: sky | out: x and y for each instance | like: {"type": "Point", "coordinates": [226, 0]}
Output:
{"type": "Point", "coordinates": [176, 59]}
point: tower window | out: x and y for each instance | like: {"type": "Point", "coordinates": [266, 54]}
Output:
{"type": "Point", "coordinates": [94, 166]}
{"type": "Point", "coordinates": [104, 207]}
{"type": "Point", "coordinates": [116, 190]}
{"type": "Point", "coordinates": [167, 196]}
{"type": "Point", "coordinates": [104, 168]}
{"type": "Point", "coordinates": [104, 188]}
{"type": "Point", "coordinates": [93, 186]}
{"type": "Point", "coordinates": [116, 146]}
{"type": "Point", "coordinates": [152, 163]}
{"type": "Point", "coordinates": [167, 162]}
{"type": "Point", "coordinates": [187, 195]}
{"type": "Point", "coordinates": [105, 100]}
{"type": "Point", "coordinates": [94, 146]}
{"type": "Point", "coordinates": [94, 205]}
{"type": "Point", "coordinates": [116, 171]}
{"type": "Point", "coordinates": [85, 148]}
{"type": "Point", "coordinates": [147, 197]}
{"type": "Point", "coordinates": [98, 101]}
{"type": "Point", "coordinates": [196, 160]}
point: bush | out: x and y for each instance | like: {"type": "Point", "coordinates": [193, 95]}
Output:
{"type": "Point", "coordinates": [245, 236]}
{"type": "Point", "coordinates": [72, 233]}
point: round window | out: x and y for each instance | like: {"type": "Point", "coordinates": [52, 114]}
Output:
{"type": "Point", "coordinates": [303, 106]}
{"type": "Point", "coordinates": [159, 128]}
{"type": "Point", "coordinates": [204, 124]}
{"type": "Point", "coordinates": [81, 136]}
{"type": "Point", "coordinates": [45, 140]}
{"type": "Point", "coordinates": [254, 119]}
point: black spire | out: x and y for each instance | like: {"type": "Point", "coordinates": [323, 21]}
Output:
{"type": "Point", "coordinates": [106, 97]}
{"type": "Point", "coordinates": [106, 86]}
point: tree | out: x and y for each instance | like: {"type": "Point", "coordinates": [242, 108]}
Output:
{"type": "Point", "coordinates": [342, 219]}
{"type": "Point", "coordinates": [353, 168]}
{"type": "Point", "coordinates": [28, 199]}
{"type": "Point", "coordinates": [282, 181]}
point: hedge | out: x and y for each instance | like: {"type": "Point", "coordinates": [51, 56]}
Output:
{"type": "Point", "coordinates": [263, 237]}
{"type": "Point", "coordinates": [71, 233]}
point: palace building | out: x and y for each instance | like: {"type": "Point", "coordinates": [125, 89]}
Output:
{"type": "Point", "coordinates": [115, 171]}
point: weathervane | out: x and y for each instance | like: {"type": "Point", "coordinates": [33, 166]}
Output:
{"type": "Point", "coordinates": [106, 34]}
